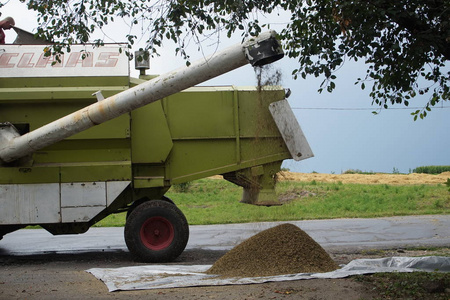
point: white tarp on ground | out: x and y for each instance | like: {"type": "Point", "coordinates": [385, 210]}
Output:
{"type": "Point", "coordinates": [171, 276]}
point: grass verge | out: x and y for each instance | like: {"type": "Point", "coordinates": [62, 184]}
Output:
{"type": "Point", "coordinates": [212, 201]}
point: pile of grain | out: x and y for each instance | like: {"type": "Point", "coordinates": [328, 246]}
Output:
{"type": "Point", "coordinates": [284, 249]}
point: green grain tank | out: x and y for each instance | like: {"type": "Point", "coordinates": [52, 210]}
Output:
{"type": "Point", "coordinates": [80, 140]}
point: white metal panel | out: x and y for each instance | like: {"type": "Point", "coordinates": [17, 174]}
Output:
{"type": "Point", "coordinates": [80, 202]}
{"type": "Point", "coordinates": [29, 203]}
{"type": "Point", "coordinates": [290, 130]}
{"type": "Point", "coordinates": [83, 194]}
{"type": "Point", "coordinates": [80, 214]}
{"type": "Point", "coordinates": [55, 203]}
{"type": "Point", "coordinates": [113, 189]}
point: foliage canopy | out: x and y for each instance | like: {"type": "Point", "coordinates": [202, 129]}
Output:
{"type": "Point", "coordinates": [404, 43]}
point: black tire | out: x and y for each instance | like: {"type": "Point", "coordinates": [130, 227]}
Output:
{"type": "Point", "coordinates": [156, 231]}
{"type": "Point", "coordinates": [137, 203]}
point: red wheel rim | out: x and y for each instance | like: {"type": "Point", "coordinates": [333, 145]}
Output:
{"type": "Point", "coordinates": [157, 233]}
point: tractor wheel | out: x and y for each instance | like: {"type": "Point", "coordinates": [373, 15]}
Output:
{"type": "Point", "coordinates": [137, 203]}
{"type": "Point", "coordinates": [156, 231]}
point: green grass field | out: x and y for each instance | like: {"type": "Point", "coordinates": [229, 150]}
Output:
{"type": "Point", "coordinates": [212, 201]}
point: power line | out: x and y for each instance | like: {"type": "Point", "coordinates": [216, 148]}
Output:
{"type": "Point", "coordinates": [373, 109]}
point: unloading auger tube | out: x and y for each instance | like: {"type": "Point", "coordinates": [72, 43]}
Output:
{"type": "Point", "coordinates": [257, 51]}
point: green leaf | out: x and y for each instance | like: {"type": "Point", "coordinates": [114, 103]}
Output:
{"type": "Point", "coordinates": [321, 35]}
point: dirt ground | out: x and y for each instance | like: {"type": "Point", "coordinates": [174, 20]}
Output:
{"type": "Point", "coordinates": [63, 276]}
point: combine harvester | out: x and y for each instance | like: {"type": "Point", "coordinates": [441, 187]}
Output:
{"type": "Point", "coordinates": [80, 139]}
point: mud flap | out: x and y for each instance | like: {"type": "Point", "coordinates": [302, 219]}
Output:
{"type": "Point", "coordinates": [290, 130]}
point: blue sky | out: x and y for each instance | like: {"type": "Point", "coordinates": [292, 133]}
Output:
{"type": "Point", "coordinates": [340, 127]}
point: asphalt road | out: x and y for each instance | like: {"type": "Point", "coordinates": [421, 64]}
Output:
{"type": "Point", "coordinates": [333, 235]}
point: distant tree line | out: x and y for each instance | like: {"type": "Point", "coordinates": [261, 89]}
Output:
{"type": "Point", "coordinates": [432, 169]}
